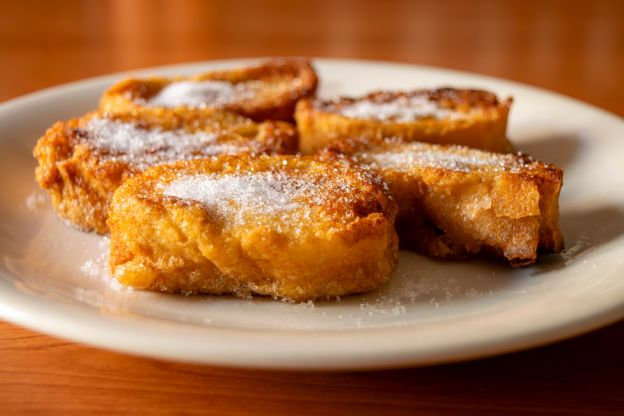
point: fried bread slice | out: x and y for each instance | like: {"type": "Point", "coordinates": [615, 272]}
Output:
{"type": "Point", "coordinates": [472, 118]}
{"type": "Point", "coordinates": [456, 202]}
{"type": "Point", "coordinates": [268, 91]}
{"type": "Point", "coordinates": [82, 161]}
{"type": "Point", "coordinates": [289, 227]}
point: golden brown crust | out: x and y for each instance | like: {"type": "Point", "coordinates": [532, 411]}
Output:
{"type": "Point", "coordinates": [327, 243]}
{"type": "Point", "coordinates": [482, 124]}
{"type": "Point", "coordinates": [456, 202]}
{"type": "Point", "coordinates": [275, 87]}
{"type": "Point", "coordinates": [81, 177]}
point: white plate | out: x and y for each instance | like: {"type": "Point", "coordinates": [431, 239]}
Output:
{"type": "Point", "coordinates": [431, 311]}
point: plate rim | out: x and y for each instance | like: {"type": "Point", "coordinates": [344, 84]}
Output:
{"type": "Point", "coordinates": [246, 60]}
{"type": "Point", "coordinates": [557, 330]}
{"type": "Point", "coordinates": [281, 357]}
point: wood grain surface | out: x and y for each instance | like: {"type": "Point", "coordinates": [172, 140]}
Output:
{"type": "Point", "coordinates": [572, 47]}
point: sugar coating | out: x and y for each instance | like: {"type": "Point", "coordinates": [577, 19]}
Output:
{"type": "Point", "coordinates": [97, 268]}
{"type": "Point", "coordinates": [200, 94]}
{"type": "Point", "coordinates": [142, 147]}
{"type": "Point", "coordinates": [407, 156]}
{"type": "Point", "coordinates": [402, 109]}
{"type": "Point", "coordinates": [245, 196]}
{"type": "Point", "coordinates": [35, 200]}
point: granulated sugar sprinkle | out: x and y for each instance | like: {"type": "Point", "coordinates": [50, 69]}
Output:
{"type": "Point", "coordinates": [243, 196]}
{"type": "Point", "coordinates": [198, 94]}
{"type": "Point", "coordinates": [414, 155]}
{"type": "Point", "coordinates": [35, 200]}
{"type": "Point", "coordinates": [402, 109]}
{"type": "Point", "coordinates": [97, 268]}
{"type": "Point", "coordinates": [130, 143]}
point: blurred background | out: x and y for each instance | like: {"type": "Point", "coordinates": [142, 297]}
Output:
{"type": "Point", "coordinates": [572, 47]}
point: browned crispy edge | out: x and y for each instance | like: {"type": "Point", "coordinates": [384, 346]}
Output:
{"type": "Point", "coordinates": [81, 184]}
{"type": "Point", "coordinates": [420, 233]}
{"type": "Point", "coordinates": [120, 97]}
{"type": "Point", "coordinates": [319, 124]}
{"type": "Point", "coordinates": [452, 98]}
{"type": "Point", "coordinates": [374, 211]}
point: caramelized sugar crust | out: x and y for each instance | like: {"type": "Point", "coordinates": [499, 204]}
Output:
{"type": "Point", "coordinates": [466, 117]}
{"type": "Point", "coordinates": [456, 202]}
{"type": "Point", "coordinates": [82, 169]}
{"type": "Point", "coordinates": [294, 228]}
{"type": "Point", "coordinates": [268, 91]}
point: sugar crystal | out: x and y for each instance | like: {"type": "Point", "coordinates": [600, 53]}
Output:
{"type": "Point", "coordinates": [401, 109]}
{"type": "Point", "coordinates": [141, 146]}
{"type": "Point", "coordinates": [406, 156]}
{"type": "Point", "coordinates": [243, 196]}
{"type": "Point", "coordinates": [198, 94]}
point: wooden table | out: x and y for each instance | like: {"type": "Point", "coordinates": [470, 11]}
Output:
{"type": "Point", "coordinates": [572, 47]}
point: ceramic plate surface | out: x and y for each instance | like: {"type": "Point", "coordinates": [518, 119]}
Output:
{"type": "Point", "coordinates": [430, 312]}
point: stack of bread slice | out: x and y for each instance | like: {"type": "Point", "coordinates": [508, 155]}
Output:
{"type": "Point", "coordinates": [205, 186]}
